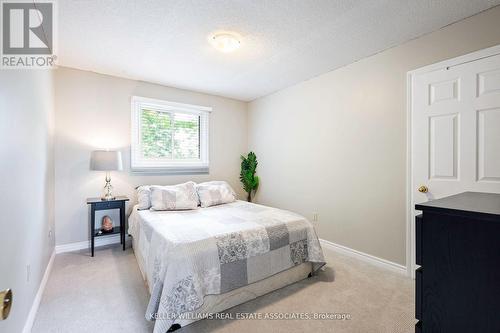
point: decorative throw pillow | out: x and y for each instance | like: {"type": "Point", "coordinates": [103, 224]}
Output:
{"type": "Point", "coordinates": [144, 197]}
{"type": "Point", "coordinates": [215, 193]}
{"type": "Point", "coordinates": [176, 197]}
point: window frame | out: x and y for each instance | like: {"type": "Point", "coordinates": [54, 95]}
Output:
{"type": "Point", "coordinates": [140, 164]}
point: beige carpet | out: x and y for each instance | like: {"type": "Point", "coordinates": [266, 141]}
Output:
{"type": "Point", "coordinates": [106, 294]}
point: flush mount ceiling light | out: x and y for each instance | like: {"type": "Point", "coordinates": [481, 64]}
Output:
{"type": "Point", "coordinates": [225, 41]}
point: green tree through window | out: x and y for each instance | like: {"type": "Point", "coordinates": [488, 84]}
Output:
{"type": "Point", "coordinates": [170, 135]}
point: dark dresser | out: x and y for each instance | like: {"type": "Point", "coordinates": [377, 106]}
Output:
{"type": "Point", "coordinates": [458, 250]}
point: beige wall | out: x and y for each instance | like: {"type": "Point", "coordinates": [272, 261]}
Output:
{"type": "Point", "coordinates": [93, 112]}
{"type": "Point", "coordinates": [27, 186]}
{"type": "Point", "coordinates": [336, 144]}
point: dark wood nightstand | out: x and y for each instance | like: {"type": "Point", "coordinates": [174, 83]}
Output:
{"type": "Point", "coordinates": [99, 204]}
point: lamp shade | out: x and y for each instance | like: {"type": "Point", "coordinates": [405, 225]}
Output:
{"type": "Point", "coordinates": [103, 160]}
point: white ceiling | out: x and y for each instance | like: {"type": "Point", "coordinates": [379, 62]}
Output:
{"type": "Point", "coordinates": [283, 42]}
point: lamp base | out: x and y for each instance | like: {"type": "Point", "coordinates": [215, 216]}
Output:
{"type": "Point", "coordinates": [108, 189]}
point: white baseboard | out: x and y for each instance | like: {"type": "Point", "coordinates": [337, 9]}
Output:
{"type": "Point", "coordinates": [99, 241]}
{"type": "Point", "coordinates": [38, 297]}
{"type": "Point", "coordinates": [392, 266]}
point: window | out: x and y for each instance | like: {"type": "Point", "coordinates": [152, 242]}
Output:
{"type": "Point", "coordinates": [169, 137]}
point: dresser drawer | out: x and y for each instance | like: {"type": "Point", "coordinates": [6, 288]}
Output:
{"type": "Point", "coordinates": [418, 293]}
{"type": "Point", "coordinates": [418, 239]}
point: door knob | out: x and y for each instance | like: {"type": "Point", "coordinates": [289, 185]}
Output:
{"type": "Point", "coordinates": [5, 303]}
{"type": "Point", "coordinates": [423, 189]}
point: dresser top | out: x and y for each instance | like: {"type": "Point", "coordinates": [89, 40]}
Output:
{"type": "Point", "coordinates": [468, 202]}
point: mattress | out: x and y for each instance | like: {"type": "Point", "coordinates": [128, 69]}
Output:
{"type": "Point", "coordinates": [187, 256]}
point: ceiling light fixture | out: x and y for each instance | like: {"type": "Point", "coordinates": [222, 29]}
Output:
{"type": "Point", "coordinates": [225, 41]}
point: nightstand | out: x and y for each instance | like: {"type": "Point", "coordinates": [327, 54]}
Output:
{"type": "Point", "coordinates": [97, 204]}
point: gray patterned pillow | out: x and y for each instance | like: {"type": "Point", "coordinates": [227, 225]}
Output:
{"type": "Point", "coordinates": [176, 197]}
{"type": "Point", "coordinates": [215, 193]}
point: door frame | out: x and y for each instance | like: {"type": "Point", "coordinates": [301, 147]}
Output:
{"type": "Point", "coordinates": [410, 220]}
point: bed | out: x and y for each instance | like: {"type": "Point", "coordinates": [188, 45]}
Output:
{"type": "Point", "coordinates": [204, 261]}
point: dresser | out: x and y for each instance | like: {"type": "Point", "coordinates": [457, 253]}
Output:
{"type": "Point", "coordinates": [458, 251]}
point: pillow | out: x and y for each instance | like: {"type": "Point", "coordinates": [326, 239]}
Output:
{"type": "Point", "coordinates": [144, 197]}
{"type": "Point", "coordinates": [215, 193]}
{"type": "Point", "coordinates": [176, 197]}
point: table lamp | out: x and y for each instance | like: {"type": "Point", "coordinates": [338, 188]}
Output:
{"type": "Point", "coordinates": [106, 160]}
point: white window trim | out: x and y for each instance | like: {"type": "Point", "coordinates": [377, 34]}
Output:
{"type": "Point", "coordinates": [140, 165]}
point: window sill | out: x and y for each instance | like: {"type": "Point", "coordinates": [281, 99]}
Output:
{"type": "Point", "coordinates": [170, 171]}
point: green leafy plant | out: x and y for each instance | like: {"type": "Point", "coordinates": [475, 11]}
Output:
{"type": "Point", "coordinates": [247, 175]}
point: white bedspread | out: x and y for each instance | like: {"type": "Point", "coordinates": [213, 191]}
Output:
{"type": "Point", "coordinates": [190, 254]}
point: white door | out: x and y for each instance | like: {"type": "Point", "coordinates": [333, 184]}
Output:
{"type": "Point", "coordinates": [456, 130]}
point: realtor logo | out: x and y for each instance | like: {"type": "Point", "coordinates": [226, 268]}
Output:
{"type": "Point", "coordinates": [27, 34]}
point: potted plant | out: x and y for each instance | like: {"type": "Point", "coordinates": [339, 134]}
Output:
{"type": "Point", "coordinates": [247, 175]}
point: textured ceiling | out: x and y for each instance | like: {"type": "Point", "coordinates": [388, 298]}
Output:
{"type": "Point", "coordinates": [283, 42]}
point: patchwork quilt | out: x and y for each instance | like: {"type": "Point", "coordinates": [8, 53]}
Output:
{"type": "Point", "coordinates": [190, 254]}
